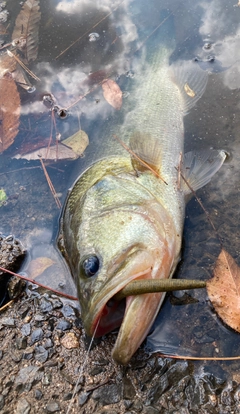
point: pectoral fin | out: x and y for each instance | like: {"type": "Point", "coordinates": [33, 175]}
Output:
{"type": "Point", "coordinates": [199, 167]}
{"type": "Point", "coordinates": [147, 149]}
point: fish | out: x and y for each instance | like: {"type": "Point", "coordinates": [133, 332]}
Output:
{"type": "Point", "coordinates": [123, 218]}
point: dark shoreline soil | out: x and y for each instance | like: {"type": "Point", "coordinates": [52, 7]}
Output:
{"type": "Point", "coordinates": [42, 350]}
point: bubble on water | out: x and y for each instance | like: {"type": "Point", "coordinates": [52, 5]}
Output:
{"type": "Point", "coordinates": [93, 37]}
{"type": "Point", "coordinates": [31, 89]}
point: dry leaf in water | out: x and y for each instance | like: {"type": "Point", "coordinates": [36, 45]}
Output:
{"type": "Point", "coordinates": [9, 111]}
{"type": "Point", "coordinates": [25, 33]}
{"type": "Point", "coordinates": [53, 153]}
{"type": "Point", "coordinates": [37, 266]}
{"type": "Point", "coordinates": [112, 93]}
{"type": "Point", "coordinates": [224, 290]}
{"type": "Point", "coordinates": [77, 142]}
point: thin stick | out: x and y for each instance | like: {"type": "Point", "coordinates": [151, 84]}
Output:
{"type": "Point", "coordinates": [50, 184]}
{"type": "Point", "coordinates": [200, 358]}
{"type": "Point", "coordinates": [201, 204]}
{"type": "Point", "coordinates": [39, 284]}
{"type": "Point", "coordinates": [139, 159]}
{"type": "Point", "coordinates": [93, 27]}
{"type": "Point", "coordinates": [6, 305]}
{"type": "Point", "coordinates": [23, 66]}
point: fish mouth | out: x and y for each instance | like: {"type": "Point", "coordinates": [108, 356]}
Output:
{"type": "Point", "coordinates": [134, 315]}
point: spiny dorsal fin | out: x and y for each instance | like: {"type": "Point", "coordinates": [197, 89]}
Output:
{"type": "Point", "coordinates": [191, 80]}
{"type": "Point", "coordinates": [199, 167]}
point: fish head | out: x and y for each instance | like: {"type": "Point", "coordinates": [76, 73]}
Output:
{"type": "Point", "coordinates": [123, 234]}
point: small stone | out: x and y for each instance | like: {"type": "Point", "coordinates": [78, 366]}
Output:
{"type": "Point", "coordinates": [23, 407]}
{"type": "Point", "coordinates": [2, 402]}
{"type": "Point", "coordinates": [53, 407]}
{"type": "Point", "coordinates": [26, 329]}
{"type": "Point", "coordinates": [83, 397]}
{"type": "Point", "coordinates": [56, 303]}
{"type": "Point", "coordinates": [107, 394]}
{"type": "Point", "coordinates": [45, 305]}
{"type": "Point", "coordinates": [38, 394]}
{"type": "Point", "coordinates": [37, 335]}
{"type": "Point", "coordinates": [41, 354]}
{"type": "Point", "coordinates": [67, 396]}
{"type": "Point", "coordinates": [48, 343]}
{"type": "Point", "coordinates": [21, 343]}
{"type": "Point", "coordinates": [9, 322]}
{"type": "Point", "coordinates": [69, 341]}
{"type": "Point", "coordinates": [68, 311]}
{"type": "Point", "coordinates": [63, 325]}
{"type": "Point", "coordinates": [47, 378]}
{"type": "Point", "coordinates": [27, 377]}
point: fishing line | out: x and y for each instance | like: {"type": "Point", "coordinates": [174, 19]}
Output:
{"type": "Point", "coordinates": [82, 368]}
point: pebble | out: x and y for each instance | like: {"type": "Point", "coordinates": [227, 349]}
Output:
{"type": "Point", "coordinates": [38, 394]}
{"type": "Point", "coordinates": [26, 329]}
{"type": "Point", "coordinates": [23, 407]}
{"type": "Point", "coordinates": [69, 341]}
{"type": "Point", "coordinates": [68, 311]}
{"type": "Point", "coordinates": [83, 397]}
{"type": "Point", "coordinates": [26, 377]}
{"type": "Point", "coordinates": [2, 402]}
{"type": "Point", "coordinates": [107, 394]}
{"type": "Point", "coordinates": [41, 354]}
{"type": "Point", "coordinates": [53, 407]}
{"type": "Point", "coordinates": [45, 305]}
{"type": "Point", "coordinates": [63, 325]}
{"type": "Point", "coordinates": [36, 336]}
{"type": "Point", "coordinates": [9, 322]}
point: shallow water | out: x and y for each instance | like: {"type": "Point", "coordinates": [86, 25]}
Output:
{"type": "Point", "coordinates": [78, 38]}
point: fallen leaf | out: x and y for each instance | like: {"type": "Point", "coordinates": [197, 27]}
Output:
{"type": "Point", "coordinates": [53, 153]}
{"type": "Point", "coordinates": [25, 33]}
{"type": "Point", "coordinates": [37, 266]}
{"type": "Point", "coordinates": [9, 111]}
{"type": "Point", "coordinates": [112, 93]}
{"type": "Point", "coordinates": [77, 142]}
{"type": "Point", "coordinates": [224, 290]}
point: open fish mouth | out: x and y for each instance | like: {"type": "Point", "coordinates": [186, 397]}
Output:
{"type": "Point", "coordinates": [134, 314]}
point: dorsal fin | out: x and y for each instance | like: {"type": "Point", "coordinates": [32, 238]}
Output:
{"type": "Point", "coordinates": [191, 80]}
{"type": "Point", "coordinates": [199, 167]}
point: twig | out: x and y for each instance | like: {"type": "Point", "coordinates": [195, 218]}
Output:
{"type": "Point", "coordinates": [23, 66]}
{"type": "Point", "coordinates": [93, 27]}
{"type": "Point", "coordinates": [6, 305]}
{"type": "Point", "coordinates": [39, 284]}
{"type": "Point", "coordinates": [53, 191]}
{"type": "Point", "coordinates": [199, 358]}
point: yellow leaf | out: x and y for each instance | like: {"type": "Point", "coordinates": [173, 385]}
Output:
{"type": "Point", "coordinates": [224, 290]}
{"type": "Point", "coordinates": [37, 266]}
{"type": "Point", "coordinates": [77, 142]}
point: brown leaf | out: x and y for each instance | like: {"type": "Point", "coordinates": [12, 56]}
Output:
{"type": "Point", "coordinates": [37, 266]}
{"type": "Point", "coordinates": [224, 290]}
{"type": "Point", "coordinates": [9, 111]}
{"type": "Point", "coordinates": [25, 33]}
{"type": "Point", "coordinates": [112, 93]}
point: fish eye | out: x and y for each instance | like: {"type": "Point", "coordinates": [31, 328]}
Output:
{"type": "Point", "coordinates": [90, 265]}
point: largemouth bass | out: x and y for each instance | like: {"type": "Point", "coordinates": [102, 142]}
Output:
{"type": "Point", "coordinates": [123, 219]}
